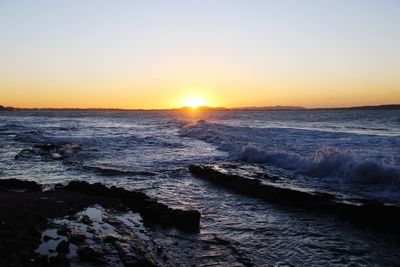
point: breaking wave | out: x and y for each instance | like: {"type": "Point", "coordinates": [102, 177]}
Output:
{"type": "Point", "coordinates": [312, 153]}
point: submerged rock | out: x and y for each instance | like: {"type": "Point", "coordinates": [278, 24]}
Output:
{"type": "Point", "coordinates": [50, 150]}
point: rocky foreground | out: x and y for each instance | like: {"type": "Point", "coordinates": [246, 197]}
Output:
{"type": "Point", "coordinates": [27, 227]}
{"type": "Point", "coordinates": [84, 224]}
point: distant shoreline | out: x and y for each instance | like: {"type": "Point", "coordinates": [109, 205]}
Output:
{"type": "Point", "coordinates": [268, 108]}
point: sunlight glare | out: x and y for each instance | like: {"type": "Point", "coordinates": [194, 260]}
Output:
{"type": "Point", "coordinates": [194, 101]}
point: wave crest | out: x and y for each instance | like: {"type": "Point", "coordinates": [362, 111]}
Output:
{"type": "Point", "coordinates": [308, 155]}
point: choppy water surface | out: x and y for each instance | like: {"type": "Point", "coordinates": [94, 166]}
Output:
{"type": "Point", "coordinates": [347, 152]}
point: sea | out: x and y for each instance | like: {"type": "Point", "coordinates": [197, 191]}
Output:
{"type": "Point", "coordinates": [349, 153]}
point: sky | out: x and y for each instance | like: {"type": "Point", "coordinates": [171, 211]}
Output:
{"type": "Point", "coordinates": [156, 54]}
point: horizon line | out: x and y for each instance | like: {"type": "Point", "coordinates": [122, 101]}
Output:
{"type": "Point", "coordinates": [221, 108]}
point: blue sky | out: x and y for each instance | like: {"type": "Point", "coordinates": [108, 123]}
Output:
{"type": "Point", "coordinates": [259, 52]}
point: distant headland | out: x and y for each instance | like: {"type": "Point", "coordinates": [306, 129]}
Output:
{"type": "Point", "coordinates": [206, 108]}
{"type": "Point", "coordinates": [7, 108]}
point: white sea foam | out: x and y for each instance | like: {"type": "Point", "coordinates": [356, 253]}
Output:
{"type": "Point", "coordinates": [350, 157]}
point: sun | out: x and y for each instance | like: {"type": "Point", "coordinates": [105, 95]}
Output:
{"type": "Point", "coordinates": [194, 101]}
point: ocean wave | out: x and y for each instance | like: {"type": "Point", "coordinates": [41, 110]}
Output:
{"type": "Point", "coordinates": [114, 171]}
{"type": "Point", "coordinates": [67, 128]}
{"type": "Point", "coordinates": [32, 136]}
{"type": "Point", "coordinates": [12, 126]}
{"type": "Point", "coordinates": [310, 153]}
{"type": "Point", "coordinates": [325, 162]}
{"type": "Point", "coordinates": [153, 141]}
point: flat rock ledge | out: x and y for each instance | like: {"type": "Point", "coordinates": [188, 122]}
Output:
{"type": "Point", "coordinates": [152, 211]}
{"type": "Point", "coordinates": [26, 211]}
{"type": "Point", "coordinates": [373, 214]}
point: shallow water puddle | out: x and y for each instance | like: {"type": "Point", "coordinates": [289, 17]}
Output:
{"type": "Point", "coordinates": [85, 233]}
{"type": "Point", "coordinates": [50, 240]}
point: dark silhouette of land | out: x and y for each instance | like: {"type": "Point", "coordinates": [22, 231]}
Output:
{"type": "Point", "coordinates": [380, 107]}
{"type": "Point", "coordinates": [7, 108]}
{"type": "Point", "coordinates": [206, 108]}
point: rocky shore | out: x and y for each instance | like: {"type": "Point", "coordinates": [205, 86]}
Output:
{"type": "Point", "coordinates": [26, 211]}
{"type": "Point", "coordinates": [369, 213]}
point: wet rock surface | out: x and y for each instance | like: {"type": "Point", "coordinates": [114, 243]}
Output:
{"type": "Point", "coordinates": [26, 213]}
{"type": "Point", "coordinates": [108, 241]}
{"type": "Point", "coordinates": [151, 210]}
{"type": "Point", "coordinates": [19, 185]}
{"type": "Point", "coordinates": [90, 253]}
{"type": "Point", "coordinates": [23, 216]}
{"type": "Point", "coordinates": [63, 247]}
{"type": "Point", "coordinates": [48, 150]}
{"type": "Point", "coordinates": [378, 215]}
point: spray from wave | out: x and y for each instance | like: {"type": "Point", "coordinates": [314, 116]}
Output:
{"type": "Point", "coordinates": [312, 153]}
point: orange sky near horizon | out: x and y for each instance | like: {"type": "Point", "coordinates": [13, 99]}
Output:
{"type": "Point", "coordinates": [171, 91]}
{"type": "Point", "coordinates": [150, 98]}
{"type": "Point", "coordinates": [155, 54]}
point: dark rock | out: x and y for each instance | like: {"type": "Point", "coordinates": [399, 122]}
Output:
{"type": "Point", "coordinates": [34, 231]}
{"type": "Point", "coordinates": [134, 255]}
{"type": "Point", "coordinates": [90, 253]}
{"type": "Point", "coordinates": [63, 231]}
{"type": "Point", "coordinates": [20, 184]}
{"type": "Point", "coordinates": [46, 238]}
{"type": "Point", "coordinates": [77, 238]}
{"type": "Point", "coordinates": [52, 151]}
{"type": "Point", "coordinates": [24, 153]}
{"type": "Point", "coordinates": [375, 214]}
{"type": "Point", "coordinates": [86, 220]}
{"type": "Point", "coordinates": [58, 187]}
{"type": "Point", "coordinates": [91, 230]}
{"type": "Point", "coordinates": [40, 219]}
{"type": "Point", "coordinates": [151, 210]}
{"type": "Point", "coordinates": [188, 219]}
{"type": "Point", "coordinates": [63, 247]}
{"type": "Point", "coordinates": [40, 260]}
{"type": "Point", "coordinates": [59, 260]}
{"type": "Point", "coordinates": [111, 238]}
{"type": "Point", "coordinates": [78, 186]}
{"type": "Point", "coordinates": [46, 147]}
{"type": "Point", "coordinates": [133, 262]}
{"type": "Point", "coordinates": [5, 227]}
{"type": "Point", "coordinates": [254, 187]}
